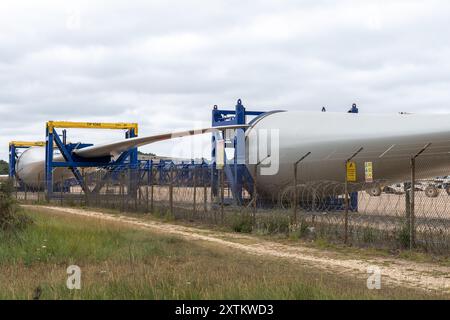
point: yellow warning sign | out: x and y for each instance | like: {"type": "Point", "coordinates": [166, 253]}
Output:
{"type": "Point", "coordinates": [368, 171]}
{"type": "Point", "coordinates": [351, 171]}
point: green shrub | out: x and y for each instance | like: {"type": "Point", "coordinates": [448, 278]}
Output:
{"type": "Point", "coordinates": [300, 230]}
{"type": "Point", "coordinates": [403, 237]}
{"type": "Point", "coordinates": [241, 222]}
{"type": "Point", "coordinates": [276, 223]}
{"type": "Point", "coordinates": [11, 219]}
{"type": "Point", "coordinates": [368, 235]}
{"type": "Point", "coordinates": [322, 242]}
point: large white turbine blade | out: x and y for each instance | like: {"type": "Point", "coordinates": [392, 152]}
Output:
{"type": "Point", "coordinates": [388, 141]}
{"type": "Point", "coordinates": [117, 147]}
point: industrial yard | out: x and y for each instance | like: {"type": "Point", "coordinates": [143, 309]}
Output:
{"type": "Point", "coordinates": [366, 219]}
{"type": "Point", "coordinates": [259, 153]}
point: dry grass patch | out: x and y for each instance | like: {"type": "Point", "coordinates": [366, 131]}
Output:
{"type": "Point", "coordinates": [123, 262]}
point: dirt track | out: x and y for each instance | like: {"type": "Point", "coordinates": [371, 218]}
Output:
{"type": "Point", "coordinates": [396, 272]}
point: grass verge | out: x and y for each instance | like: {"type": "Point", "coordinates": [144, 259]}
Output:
{"type": "Point", "coordinates": [122, 262]}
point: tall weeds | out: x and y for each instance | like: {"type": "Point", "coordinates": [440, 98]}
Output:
{"type": "Point", "coordinates": [11, 217]}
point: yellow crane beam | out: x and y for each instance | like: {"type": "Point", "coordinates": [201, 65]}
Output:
{"type": "Point", "coordinates": [92, 125]}
{"type": "Point", "coordinates": [27, 143]}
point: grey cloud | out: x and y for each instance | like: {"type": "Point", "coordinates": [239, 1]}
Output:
{"type": "Point", "coordinates": [165, 64]}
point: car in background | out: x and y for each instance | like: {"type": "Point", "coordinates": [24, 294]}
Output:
{"type": "Point", "coordinates": [430, 188]}
{"type": "Point", "coordinates": [443, 183]}
{"type": "Point", "coordinates": [394, 189]}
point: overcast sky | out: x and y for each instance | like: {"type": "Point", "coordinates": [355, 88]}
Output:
{"type": "Point", "coordinates": [164, 64]}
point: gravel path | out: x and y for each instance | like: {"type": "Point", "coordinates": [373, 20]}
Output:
{"type": "Point", "coordinates": [396, 272]}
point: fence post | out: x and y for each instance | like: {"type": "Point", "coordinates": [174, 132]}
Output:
{"type": "Point", "coordinates": [407, 202]}
{"type": "Point", "coordinates": [106, 196]}
{"type": "Point", "coordinates": [61, 191]}
{"type": "Point", "coordinates": [255, 187]}
{"type": "Point", "coordinates": [412, 218]}
{"type": "Point", "coordinates": [152, 183]}
{"type": "Point", "coordinates": [295, 185]}
{"type": "Point", "coordinates": [205, 192]}
{"type": "Point", "coordinates": [146, 194]}
{"type": "Point", "coordinates": [195, 191]}
{"type": "Point", "coordinates": [86, 201]}
{"type": "Point", "coordinates": [171, 191]}
{"type": "Point", "coordinates": [38, 188]}
{"type": "Point", "coordinates": [346, 194]}
{"type": "Point", "coordinates": [255, 193]}
{"type": "Point", "coordinates": [135, 183]}
{"type": "Point", "coordinates": [222, 193]}
{"type": "Point", "coordinates": [294, 218]}
{"type": "Point", "coordinates": [122, 191]}
{"type": "Point", "coordinates": [346, 206]}
{"type": "Point", "coordinates": [412, 228]}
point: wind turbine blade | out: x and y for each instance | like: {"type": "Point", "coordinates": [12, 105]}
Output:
{"type": "Point", "coordinates": [117, 147]}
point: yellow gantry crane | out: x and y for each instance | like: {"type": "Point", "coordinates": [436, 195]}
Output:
{"type": "Point", "coordinates": [51, 125]}
{"type": "Point", "coordinates": [72, 162]}
{"type": "Point", "coordinates": [27, 144]}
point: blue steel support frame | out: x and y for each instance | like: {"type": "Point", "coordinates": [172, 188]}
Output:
{"type": "Point", "coordinates": [236, 171]}
{"type": "Point", "coordinates": [12, 160]}
{"type": "Point", "coordinates": [184, 172]}
{"type": "Point", "coordinates": [12, 163]}
{"type": "Point", "coordinates": [133, 166]}
{"type": "Point", "coordinates": [113, 170]}
{"type": "Point", "coordinates": [70, 162]}
{"type": "Point", "coordinates": [73, 162]}
{"type": "Point", "coordinates": [49, 162]}
{"type": "Point", "coordinates": [13, 149]}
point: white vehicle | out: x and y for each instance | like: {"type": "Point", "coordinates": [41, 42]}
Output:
{"type": "Point", "coordinates": [431, 190]}
{"type": "Point", "coordinates": [445, 184]}
{"type": "Point", "coordinates": [397, 188]}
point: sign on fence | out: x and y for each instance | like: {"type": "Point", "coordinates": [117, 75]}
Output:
{"type": "Point", "coordinates": [351, 171]}
{"type": "Point", "coordinates": [368, 171]}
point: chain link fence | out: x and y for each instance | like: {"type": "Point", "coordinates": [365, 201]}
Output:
{"type": "Point", "coordinates": [381, 214]}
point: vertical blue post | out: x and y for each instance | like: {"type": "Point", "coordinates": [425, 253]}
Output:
{"type": "Point", "coordinates": [12, 161]}
{"type": "Point", "coordinates": [160, 171]}
{"type": "Point", "coordinates": [133, 158]}
{"type": "Point", "coordinates": [240, 112]}
{"type": "Point", "coordinates": [150, 172]}
{"type": "Point", "coordinates": [214, 174]}
{"type": "Point", "coordinates": [134, 152]}
{"type": "Point", "coordinates": [239, 153]}
{"type": "Point", "coordinates": [236, 172]}
{"type": "Point", "coordinates": [49, 161]}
